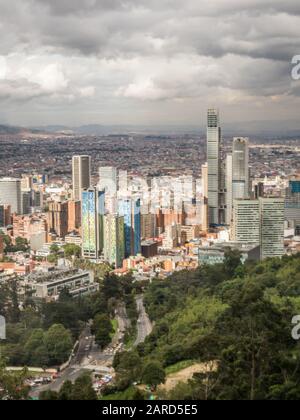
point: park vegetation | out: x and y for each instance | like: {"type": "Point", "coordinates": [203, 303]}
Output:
{"type": "Point", "coordinates": [235, 319]}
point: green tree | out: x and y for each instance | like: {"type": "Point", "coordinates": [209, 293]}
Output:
{"type": "Point", "coordinates": [66, 391]}
{"type": "Point", "coordinates": [12, 385]}
{"type": "Point", "coordinates": [153, 374]}
{"type": "Point", "coordinates": [83, 389]}
{"type": "Point", "coordinates": [72, 250]}
{"type": "Point", "coordinates": [59, 344]}
{"type": "Point", "coordinates": [35, 351]}
{"type": "Point", "coordinates": [48, 396]}
{"type": "Point", "coordinates": [128, 365]}
{"type": "Point", "coordinates": [102, 328]}
{"type": "Point", "coordinates": [232, 261]}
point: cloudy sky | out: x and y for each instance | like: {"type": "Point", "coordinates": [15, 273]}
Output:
{"type": "Point", "coordinates": [147, 61]}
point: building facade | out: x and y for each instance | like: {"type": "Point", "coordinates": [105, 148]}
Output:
{"type": "Point", "coordinates": [114, 240]}
{"type": "Point", "coordinates": [92, 213]}
{"type": "Point", "coordinates": [10, 194]}
{"type": "Point", "coordinates": [81, 175]}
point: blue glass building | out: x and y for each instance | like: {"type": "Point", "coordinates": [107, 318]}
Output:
{"type": "Point", "coordinates": [130, 209]}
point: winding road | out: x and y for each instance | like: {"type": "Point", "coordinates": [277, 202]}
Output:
{"type": "Point", "coordinates": [144, 325]}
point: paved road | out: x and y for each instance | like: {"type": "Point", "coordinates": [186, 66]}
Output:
{"type": "Point", "coordinates": [89, 355]}
{"type": "Point", "coordinates": [84, 347]}
{"type": "Point", "coordinates": [75, 369]}
{"type": "Point", "coordinates": [144, 325]}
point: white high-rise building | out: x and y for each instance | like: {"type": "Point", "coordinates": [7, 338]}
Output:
{"type": "Point", "coordinates": [81, 173]}
{"type": "Point", "coordinates": [214, 165]}
{"type": "Point", "coordinates": [10, 194]}
{"type": "Point", "coordinates": [240, 168]}
{"type": "Point", "coordinates": [246, 221]}
{"type": "Point", "coordinates": [260, 221]}
{"type": "Point", "coordinates": [108, 180]}
{"type": "Point", "coordinates": [237, 175]}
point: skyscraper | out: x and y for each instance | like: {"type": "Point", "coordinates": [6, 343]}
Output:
{"type": "Point", "coordinates": [292, 204]}
{"type": "Point", "coordinates": [92, 213]}
{"type": "Point", "coordinates": [130, 209]}
{"type": "Point", "coordinates": [114, 241]}
{"type": "Point", "coordinates": [272, 227]}
{"type": "Point", "coordinates": [108, 179]}
{"type": "Point", "coordinates": [5, 215]}
{"type": "Point", "coordinates": [10, 194]}
{"type": "Point", "coordinates": [237, 174]}
{"type": "Point", "coordinates": [74, 215]}
{"type": "Point", "coordinates": [260, 221]}
{"type": "Point", "coordinates": [214, 165]}
{"type": "Point", "coordinates": [81, 171]}
{"type": "Point", "coordinates": [58, 218]}
{"type": "Point", "coordinates": [204, 212]}
{"type": "Point", "coordinates": [240, 168]}
{"type": "Point", "coordinates": [229, 197]}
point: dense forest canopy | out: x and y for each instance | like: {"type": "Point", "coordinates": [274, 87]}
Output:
{"type": "Point", "coordinates": [236, 317]}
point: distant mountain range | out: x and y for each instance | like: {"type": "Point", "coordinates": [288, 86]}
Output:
{"type": "Point", "coordinates": [248, 128]}
{"type": "Point", "coordinates": [266, 129]}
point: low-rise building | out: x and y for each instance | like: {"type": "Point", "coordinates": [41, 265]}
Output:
{"type": "Point", "coordinates": [49, 286]}
{"type": "Point", "coordinates": [215, 254]}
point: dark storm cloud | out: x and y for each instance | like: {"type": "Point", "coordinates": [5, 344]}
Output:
{"type": "Point", "coordinates": [115, 51]}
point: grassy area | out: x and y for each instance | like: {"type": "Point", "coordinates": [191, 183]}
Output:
{"type": "Point", "coordinates": [179, 366]}
{"type": "Point", "coordinates": [115, 326]}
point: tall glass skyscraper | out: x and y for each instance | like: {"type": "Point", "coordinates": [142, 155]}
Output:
{"type": "Point", "coordinates": [214, 165]}
{"type": "Point", "coordinates": [130, 209]}
{"type": "Point", "coordinates": [292, 205]}
{"type": "Point", "coordinates": [114, 245]}
{"type": "Point", "coordinates": [93, 210]}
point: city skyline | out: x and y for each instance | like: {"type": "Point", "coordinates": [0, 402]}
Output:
{"type": "Point", "coordinates": [147, 63]}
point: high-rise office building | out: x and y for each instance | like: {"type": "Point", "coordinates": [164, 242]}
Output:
{"type": "Point", "coordinates": [148, 225]}
{"type": "Point", "coordinates": [58, 218]}
{"type": "Point", "coordinates": [10, 194]}
{"type": "Point", "coordinates": [81, 172]}
{"type": "Point", "coordinates": [108, 180]}
{"type": "Point", "coordinates": [246, 221]}
{"type": "Point", "coordinates": [92, 214]}
{"type": "Point", "coordinates": [130, 209]}
{"type": "Point", "coordinates": [74, 215]}
{"type": "Point", "coordinates": [272, 227]}
{"type": "Point", "coordinates": [240, 168]}
{"type": "Point", "coordinates": [237, 175]}
{"type": "Point", "coordinates": [5, 215]}
{"type": "Point", "coordinates": [204, 210]}
{"type": "Point", "coordinates": [214, 166]}
{"type": "Point", "coordinates": [26, 201]}
{"type": "Point", "coordinates": [114, 240]}
{"type": "Point", "coordinates": [229, 197]}
{"type": "Point", "coordinates": [260, 221]}
{"type": "Point", "coordinates": [292, 204]}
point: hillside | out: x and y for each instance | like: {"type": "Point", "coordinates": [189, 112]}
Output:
{"type": "Point", "coordinates": [239, 317]}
